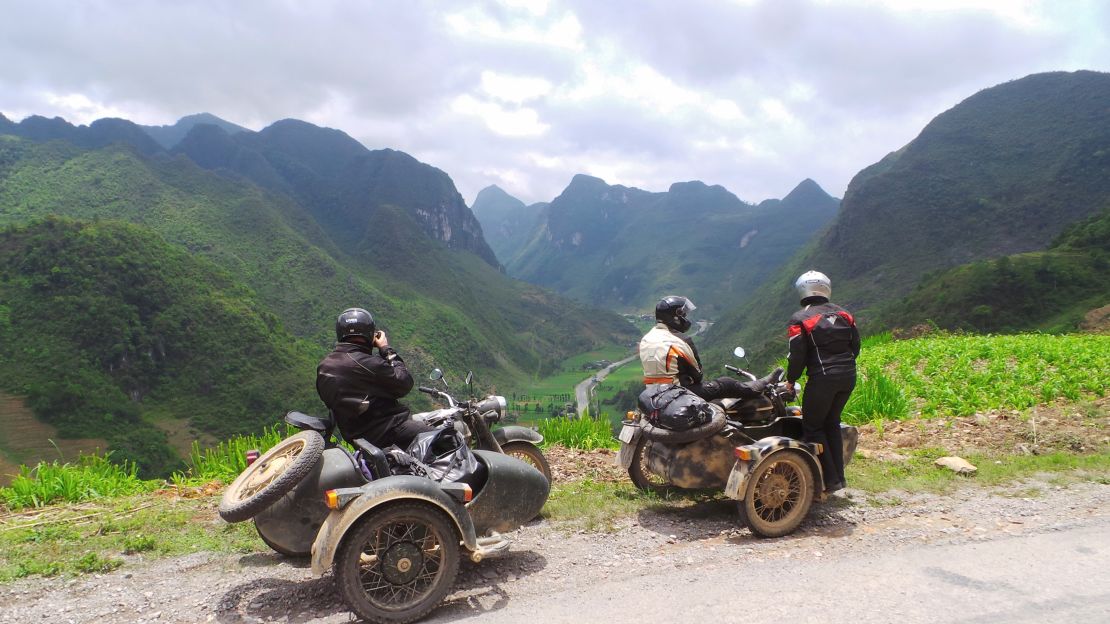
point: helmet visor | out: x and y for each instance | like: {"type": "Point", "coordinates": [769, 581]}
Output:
{"type": "Point", "coordinates": [686, 309]}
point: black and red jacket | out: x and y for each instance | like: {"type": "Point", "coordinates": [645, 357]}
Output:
{"type": "Point", "coordinates": [824, 341]}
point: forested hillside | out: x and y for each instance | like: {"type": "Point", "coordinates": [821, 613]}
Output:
{"type": "Point", "coordinates": [1003, 172]}
{"type": "Point", "coordinates": [442, 307]}
{"type": "Point", "coordinates": [1051, 290]}
{"type": "Point", "coordinates": [105, 329]}
{"type": "Point", "coordinates": [624, 248]}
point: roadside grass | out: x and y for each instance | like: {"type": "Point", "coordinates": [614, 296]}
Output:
{"type": "Point", "coordinates": [102, 536]}
{"type": "Point", "coordinates": [580, 433]}
{"type": "Point", "coordinates": [918, 473]}
{"type": "Point", "coordinates": [91, 477]}
{"type": "Point", "coordinates": [959, 375]}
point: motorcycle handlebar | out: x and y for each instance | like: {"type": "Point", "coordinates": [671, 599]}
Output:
{"type": "Point", "coordinates": [427, 390]}
{"type": "Point", "coordinates": [732, 368]}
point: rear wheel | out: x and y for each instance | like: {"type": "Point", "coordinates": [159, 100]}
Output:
{"type": "Point", "coordinates": [398, 563]}
{"type": "Point", "coordinates": [779, 494]}
{"type": "Point", "coordinates": [529, 454]}
{"type": "Point", "coordinates": [271, 476]}
{"type": "Point", "coordinates": [641, 477]}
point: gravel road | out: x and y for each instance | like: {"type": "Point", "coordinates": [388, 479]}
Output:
{"type": "Point", "coordinates": [1031, 552]}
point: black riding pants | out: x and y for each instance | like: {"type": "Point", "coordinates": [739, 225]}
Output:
{"type": "Point", "coordinates": [823, 401]}
{"type": "Point", "coordinates": [403, 433]}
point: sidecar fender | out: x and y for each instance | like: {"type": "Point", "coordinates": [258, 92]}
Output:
{"type": "Point", "coordinates": [761, 451]}
{"type": "Point", "coordinates": [514, 433]}
{"type": "Point", "coordinates": [383, 492]}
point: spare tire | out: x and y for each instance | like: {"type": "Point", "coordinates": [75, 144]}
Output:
{"type": "Point", "coordinates": [271, 476]}
{"type": "Point", "coordinates": [658, 434]}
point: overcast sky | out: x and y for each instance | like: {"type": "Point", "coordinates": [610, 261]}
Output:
{"type": "Point", "coordinates": [753, 95]}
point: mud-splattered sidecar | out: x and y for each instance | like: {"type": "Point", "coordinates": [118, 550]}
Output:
{"type": "Point", "coordinates": [752, 449]}
{"type": "Point", "coordinates": [393, 541]}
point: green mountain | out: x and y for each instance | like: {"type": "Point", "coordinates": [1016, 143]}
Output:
{"type": "Point", "coordinates": [1049, 290]}
{"type": "Point", "coordinates": [105, 328]}
{"type": "Point", "coordinates": [340, 182]}
{"type": "Point", "coordinates": [169, 136]}
{"type": "Point", "coordinates": [442, 307]}
{"type": "Point", "coordinates": [1003, 172]}
{"type": "Point", "coordinates": [506, 221]}
{"type": "Point", "coordinates": [624, 248]}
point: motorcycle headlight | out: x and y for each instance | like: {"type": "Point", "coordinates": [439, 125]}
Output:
{"type": "Point", "coordinates": [493, 403]}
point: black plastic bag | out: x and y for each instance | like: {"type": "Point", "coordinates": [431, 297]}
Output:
{"type": "Point", "coordinates": [673, 407]}
{"type": "Point", "coordinates": [444, 455]}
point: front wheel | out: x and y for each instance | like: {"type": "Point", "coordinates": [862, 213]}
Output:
{"type": "Point", "coordinates": [641, 477]}
{"type": "Point", "coordinates": [779, 494]}
{"type": "Point", "coordinates": [271, 476]}
{"type": "Point", "coordinates": [398, 563]}
{"type": "Point", "coordinates": [529, 454]}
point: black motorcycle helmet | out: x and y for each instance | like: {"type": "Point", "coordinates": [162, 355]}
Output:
{"type": "Point", "coordinates": [355, 322]}
{"type": "Point", "coordinates": [673, 311]}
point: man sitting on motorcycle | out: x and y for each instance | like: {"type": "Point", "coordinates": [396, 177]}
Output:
{"type": "Point", "coordinates": [669, 356]}
{"type": "Point", "coordinates": [361, 388]}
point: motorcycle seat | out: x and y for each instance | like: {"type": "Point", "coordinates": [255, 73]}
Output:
{"type": "Point", "coordinates": [304, 421]}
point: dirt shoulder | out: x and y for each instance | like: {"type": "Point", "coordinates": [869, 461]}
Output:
{"type": "Point", "coordinates": [549, 557]}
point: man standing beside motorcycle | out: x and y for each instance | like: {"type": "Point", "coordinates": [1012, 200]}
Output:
{"type": "Point", "coordinates": [825, 343]}
{"type": "Point", "coordinates": [669, 356]}
{"type": "Point", "coordinates": [362, 388]}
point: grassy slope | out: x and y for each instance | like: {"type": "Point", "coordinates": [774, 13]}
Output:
{"type": "Point", "coordinates": [105, 325]}
{"type": "Point", "coordinates": [1049, 290]}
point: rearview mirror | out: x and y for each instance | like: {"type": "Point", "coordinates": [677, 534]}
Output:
{"type": "Point", "coordinates": [739, 352]}
{"type": "Point", "coordinates": [435, 374]}
{"type": "Point", "coordinates": [469, 377]}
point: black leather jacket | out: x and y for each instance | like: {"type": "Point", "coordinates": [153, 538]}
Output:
{"type": "Point", "coordinates": [361, 390]}
{"type": "Point", "coordinates": [824, 342]}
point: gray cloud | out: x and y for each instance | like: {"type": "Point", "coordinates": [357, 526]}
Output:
{"type": "Point", "coordinates": [752, 95]}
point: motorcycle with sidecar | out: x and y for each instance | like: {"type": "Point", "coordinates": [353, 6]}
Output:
{"type": "Point", "coordinates": [393, 540]}
{"type": "Point", "coordinates": [750, 448]}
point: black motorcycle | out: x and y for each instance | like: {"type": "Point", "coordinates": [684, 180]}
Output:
{"type": "Point", "coordinates": [393, 540]}
{"type": "Point", "coordinates": [475, 419]}
{"type": "Point", "coordinates": [751, 448]}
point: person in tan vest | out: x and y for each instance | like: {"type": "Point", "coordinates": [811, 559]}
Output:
{"type": "Point", "coordinates": [669, 356]}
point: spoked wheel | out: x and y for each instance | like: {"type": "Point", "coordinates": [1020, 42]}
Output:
{"type": "Point", "coordinates": [641, 477]}
{"type": "Point", "coordinates": [273, 474]}
{"type": "Point", "coordinates": [398, 563]}
{"type": "Point", "coordinates": [779, 494]}
{"type": "Point", "coordinates": [529, 454]}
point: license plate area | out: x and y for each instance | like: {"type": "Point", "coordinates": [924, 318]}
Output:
{"type": "Point", "coordinates": [627, 433]}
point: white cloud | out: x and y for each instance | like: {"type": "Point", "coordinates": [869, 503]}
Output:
{"type": "Point", "coordinates": [754, 95]}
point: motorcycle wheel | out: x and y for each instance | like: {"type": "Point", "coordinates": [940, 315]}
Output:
{"type": "Point", "coordinates": [529, 454]}
{"type": "Point", "coordinates": [641, 477]}
{"type": "Point", "coordinates": [271, 476]}
{"type": "Point", "coordinates": [779, 494]}
{"type": "Point", "coordinates": [398, 563]}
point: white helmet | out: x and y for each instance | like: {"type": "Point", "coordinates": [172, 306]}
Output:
{"type": "Point", "coordinates": [813, 284]}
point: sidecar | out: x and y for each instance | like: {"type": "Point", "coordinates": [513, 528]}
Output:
{"type": "Point", "coordinates": [394, 542]}
{"type": "Point", "coordinates": [772, 474]}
